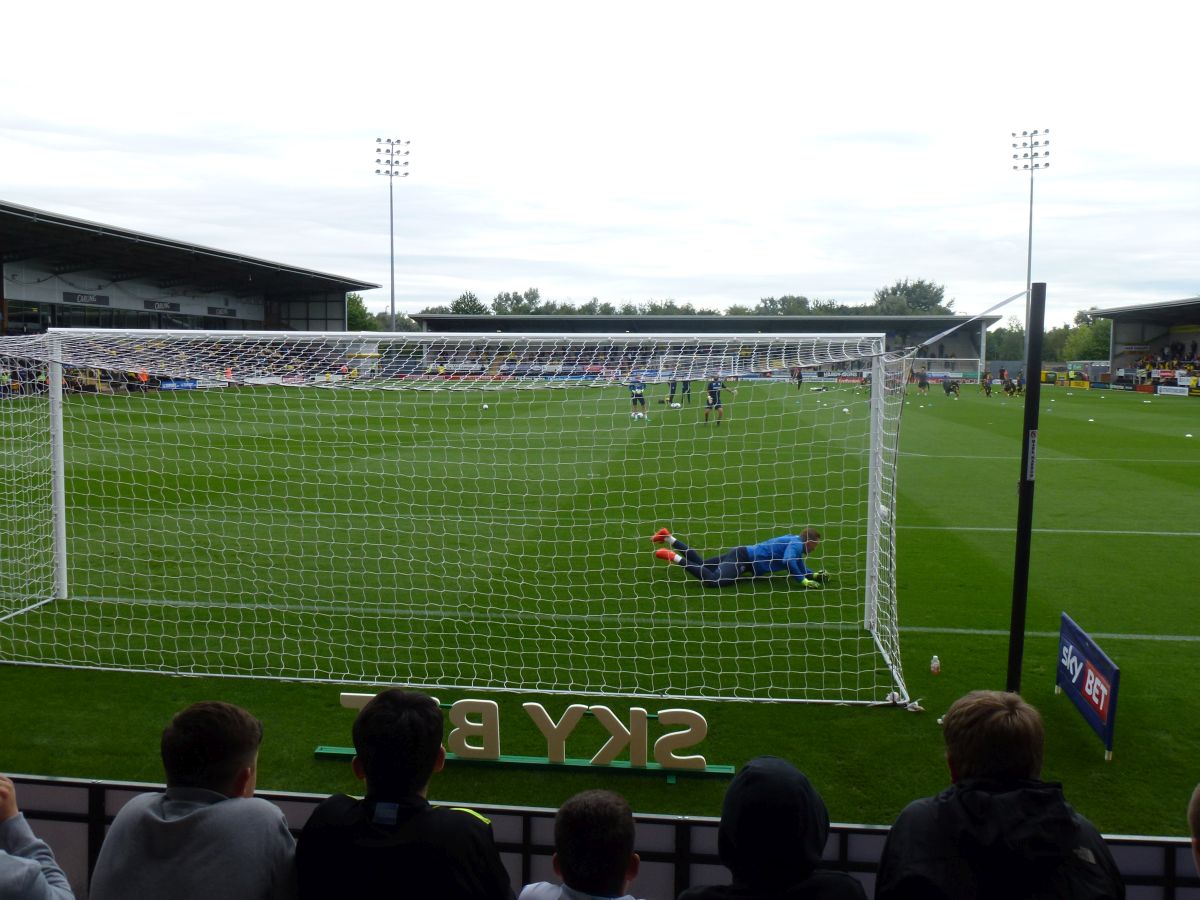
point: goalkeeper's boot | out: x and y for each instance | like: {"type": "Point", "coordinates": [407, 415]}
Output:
{"type": "Point", "coordinates": [668, 555]}
{"type": "Point", "coordinates": [661, 535]}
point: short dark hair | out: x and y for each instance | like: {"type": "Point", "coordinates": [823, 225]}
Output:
{"type": "Point", "coordinates": [994, 734]}
{"type": "Point", "coordinates": [808, 533]}
{"type": "Point", "coordinates": [207, 744]}
{"type": "Point", "coordinates": [397, 736]}
{"type": "Point", "coordinates": [593, 837]}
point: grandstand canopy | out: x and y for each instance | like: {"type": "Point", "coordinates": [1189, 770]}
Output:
{"type": "Point", "coordinates": [1158, 331]}
{"type": "Point", "coordinates": [1170, 312]}
{"type": "Point", "coordinates": [901, 331]}
{"type": "Point", "coordinates": [59, 269]}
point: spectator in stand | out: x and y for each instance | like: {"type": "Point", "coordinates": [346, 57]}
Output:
{"type": "Point", "coordinates": [593, 850]}
{"type": "Point", "coordinates": [208, 835]}
{"type": "Point", "coordinates": [1194, 826]}
{"type": "Point", "coordinates": [997, 831]}
{"type": "Point", "coordinates": [773, 831]}
{"type": "Point", "coordinates": [27, 867]}
{"type": "Point", "coordinates": [394, 843]}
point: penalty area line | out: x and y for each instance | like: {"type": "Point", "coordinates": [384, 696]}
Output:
{"type": "Point", "coordinates": [1002, 632]}
{"type": "Point", "coordinates": [1069, 531]}
{"type": "Point", "coordinates": [515, 617]}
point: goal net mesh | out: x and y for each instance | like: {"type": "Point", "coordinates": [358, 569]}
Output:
{"type": "Point", "coordinates": [450, 511]}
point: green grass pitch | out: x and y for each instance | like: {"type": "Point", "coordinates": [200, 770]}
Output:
{"type": "Point", "coordinates": [414, 537]}
{"type": "Point", "coordinates": [1113, 546]}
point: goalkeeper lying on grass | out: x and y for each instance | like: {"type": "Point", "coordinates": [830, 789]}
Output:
{"type": "Point", "coordinates": [784, 552]}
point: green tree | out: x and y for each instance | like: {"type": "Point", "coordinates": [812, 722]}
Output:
{"type": "Point", "coordinates": [912, 298]}
{"type": "Point", "coordinates": [1054, 344]}
{"type": "Point", "coordinates": [666, 308]}
{"type": "Point", "coordinates": [1090, 338]}
{"type": "Point", "coordinates": [738, 310]}
{"type": "Point", "coordinates": [510, 303]}
{"type": "Point", "coordinates": [1007, 341]}
{"type": "Point", "coordinates": [358, 317]}
{"type": "Point", "coordinates": [383, 322]}
{"type": "Point", "coordinates": [787, 305]}
{"type": "Point", "coordinates": [467, 304]}
{"type": "Point", "coordinates": [830, 308]}
{"type": "Point", "coordinates": [595, 308]}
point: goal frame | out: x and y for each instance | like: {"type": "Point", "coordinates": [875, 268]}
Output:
{"type": "Point", "coordinates": [882, 455]}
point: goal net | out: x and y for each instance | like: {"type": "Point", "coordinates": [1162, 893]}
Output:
{"type": "Point", "coordinates": [451, 511]}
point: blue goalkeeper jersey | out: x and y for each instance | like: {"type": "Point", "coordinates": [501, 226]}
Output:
{"type": "Point", "coordinates": [779, 553]}
{"type": "Point", "coordinates": [637, 388]}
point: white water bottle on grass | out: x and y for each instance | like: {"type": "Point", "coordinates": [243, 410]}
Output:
{"type": "Point", "coordinates": [935, 666]}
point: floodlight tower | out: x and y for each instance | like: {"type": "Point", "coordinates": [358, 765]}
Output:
{"type": "Point", "coordinates": [1030, 149]}
{"type": "Point", "coordinates": [1029, 154]}
{"type": "Point", "coordinates": [390, 154]}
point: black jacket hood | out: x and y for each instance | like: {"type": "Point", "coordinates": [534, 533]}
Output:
{"type": "Point", "coordinates": [774, 824]}
{"type": "Point", "coordinates": [1015, 822]}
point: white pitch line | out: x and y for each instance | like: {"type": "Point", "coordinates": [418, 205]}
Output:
{"type": "Point", "coordinates": [1070, 531]}
{"type": "Point", "coordinates": [664, 621]}
{"type": "Point", "coordinates": [1003, 632]}
{"type": "Point", "coordinates": [1052, 459]}
{"type": "Point", "coordinates": [316, 518]}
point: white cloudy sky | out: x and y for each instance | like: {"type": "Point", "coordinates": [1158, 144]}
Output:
{"type": "Point", "coordinates": [711, 153]}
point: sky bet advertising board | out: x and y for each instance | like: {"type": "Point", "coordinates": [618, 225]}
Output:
{"type": "Point", "coordinates": [1089, 678]}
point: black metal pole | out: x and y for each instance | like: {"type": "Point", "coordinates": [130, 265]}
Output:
{"type": "Point", "coordinates": [1033, 392]}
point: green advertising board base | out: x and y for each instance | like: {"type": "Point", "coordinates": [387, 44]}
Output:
{"type": "Point", "coordinates": [618, 765]}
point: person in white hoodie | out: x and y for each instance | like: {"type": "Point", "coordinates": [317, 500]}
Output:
{"type": "Point", "coordinates": [593, 850]}
{"type": "Point", "coordinates": [27, 867]}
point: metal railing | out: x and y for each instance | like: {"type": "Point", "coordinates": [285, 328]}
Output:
{"type": "Point", "coordinates": [677, 851]}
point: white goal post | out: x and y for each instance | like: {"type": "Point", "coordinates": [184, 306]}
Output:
{"type": "Point", "coordinates": [469, 511]}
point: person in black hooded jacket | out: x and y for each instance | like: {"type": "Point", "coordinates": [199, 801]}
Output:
{"type": "Point", "coordinates": [997, 831]}
{"type": "Point", "coordinates": [773, 830]}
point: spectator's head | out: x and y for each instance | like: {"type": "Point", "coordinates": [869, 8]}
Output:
{"type": "Point", "coordinates": [1194, 825]}
{"type": "Point", "coordinates": [811, 538]}
{"type": "Point", "coordinates": [212, 745]}
{"type": "Point", "coordinates": [993, 734]}
{"type": "Point", "coordinates": [773, 825]}
{"type": "Point", "coordinates": [593, 844]}
{"type": "Point", "coordinates": [398, 742]}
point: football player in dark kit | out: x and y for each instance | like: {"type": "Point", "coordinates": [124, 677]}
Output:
{"type": "Point", "coordinates": [637, 396]}
{"type": "Point", "coordinates": [713, 401]}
